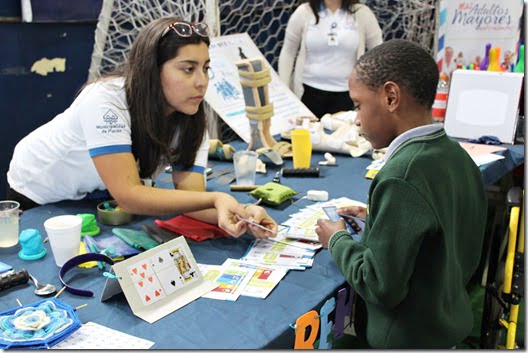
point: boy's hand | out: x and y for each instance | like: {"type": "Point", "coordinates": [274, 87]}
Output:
{"type": "Point", "coordinates": [325, 228]}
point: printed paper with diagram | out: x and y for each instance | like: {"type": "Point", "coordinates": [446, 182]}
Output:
{"type": "Point", "coordinates": [225, 95]}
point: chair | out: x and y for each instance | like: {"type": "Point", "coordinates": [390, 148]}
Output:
{"type": "Point", "coordinates": [505, 281]}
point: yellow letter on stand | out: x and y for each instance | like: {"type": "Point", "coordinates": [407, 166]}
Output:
{"type": "Point", "coordinates": [311, 318]}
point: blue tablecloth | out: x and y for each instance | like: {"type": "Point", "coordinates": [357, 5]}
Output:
{"type": "Point", "coordinates": [248, 323]}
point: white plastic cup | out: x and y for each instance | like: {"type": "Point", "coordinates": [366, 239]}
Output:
{"type": "Point", "coordinates": [64, 233]}
{"type": "Point", "coordinates": [8, 223]}
{"type": "Point", "coordinates": [245, 163]}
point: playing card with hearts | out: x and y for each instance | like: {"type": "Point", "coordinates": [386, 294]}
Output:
{"type": "Point", "coordinates": [161, 280]}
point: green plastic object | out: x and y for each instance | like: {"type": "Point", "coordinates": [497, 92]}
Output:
{"type": "Point", "coordinates": [89, 224]}
{"type": "Point", "coordinates": [519, 67]}
{"type": "Point", "coordinates": [137, 239]}
{"type": "Point", "coordinates": [273, 194]}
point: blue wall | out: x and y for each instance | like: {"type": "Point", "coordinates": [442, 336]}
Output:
{"type": "Point", "coordinates": [28, 99]}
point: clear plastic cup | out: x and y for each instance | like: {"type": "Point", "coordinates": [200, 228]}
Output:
{"type": "Point", "coordinates": [245, 167]}
{"type": "Point", "coordinates": [9, 223]}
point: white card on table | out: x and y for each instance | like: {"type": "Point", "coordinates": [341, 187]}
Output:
{"type": "Point", "coordinates": [161, 280]}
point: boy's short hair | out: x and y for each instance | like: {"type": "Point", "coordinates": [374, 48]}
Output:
{"type": "Point", "coordinates": [403, 62]}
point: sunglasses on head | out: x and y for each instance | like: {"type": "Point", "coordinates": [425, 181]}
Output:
{"type": "Point", "coordinates": [184, 29]}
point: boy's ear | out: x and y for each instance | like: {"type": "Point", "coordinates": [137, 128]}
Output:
{"type": "Point", "coordinates": [392, 96]}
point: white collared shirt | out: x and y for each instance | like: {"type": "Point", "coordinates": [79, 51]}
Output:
{"type": "Point", "coordinates": [328, 67]}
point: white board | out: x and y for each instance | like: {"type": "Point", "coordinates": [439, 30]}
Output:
{"type": "Point", "coordinates": [483, 103]}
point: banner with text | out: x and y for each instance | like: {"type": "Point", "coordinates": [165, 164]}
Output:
{"type": "Point", "coordinates": [467, 29]}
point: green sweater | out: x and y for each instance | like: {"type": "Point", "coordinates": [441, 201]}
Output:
{"type": "Point", "coordinates": [422, 242]}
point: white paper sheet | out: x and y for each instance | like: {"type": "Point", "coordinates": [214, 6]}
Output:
{"type": "Point", "coordinates": [95, 336]}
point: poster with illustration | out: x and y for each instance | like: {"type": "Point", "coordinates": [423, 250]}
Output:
{"type": "Point", "coordinates": [467, 30]}
{"type": "Point", "coordinates": [225, 94]}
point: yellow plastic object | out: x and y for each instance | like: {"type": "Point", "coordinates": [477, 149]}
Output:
{"type": "Point", "coordinates": [88, 264]}
{"type": "Point", "coordinates": [302, 148]}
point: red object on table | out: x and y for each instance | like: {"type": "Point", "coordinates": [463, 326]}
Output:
{"type": "Point", "coordinates": [192, 228]}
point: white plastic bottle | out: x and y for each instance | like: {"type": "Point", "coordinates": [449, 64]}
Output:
{"type": "Point", "coordinates": [440, 103]}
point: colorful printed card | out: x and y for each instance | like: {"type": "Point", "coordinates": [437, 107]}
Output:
{"type": "Point", "coordinates": [263, 281]}
{"type": "Point", "coordinates": [261, 252]}
{"type": "Point", "coordinates": [230, 280]}
{"type": "Point", "coordinates": [161, 280]}
{"type": "Point", "coordinates": [300, 233]}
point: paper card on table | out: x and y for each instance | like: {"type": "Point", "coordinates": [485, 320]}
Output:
{"type": "Point", "coordinates": [305, 213]}
{"type": "Point", "coordinates": [230, 280]}
{"type": "Point", "coordinates": [161, 280]}
{"type": "Point", "coordinates": [273, 246]}
{"type": "Point", "coordinates": [376, 165]}
{"type": "Point", "coordinates": [308, 223]}
{"type": "Point", "coordinates": [477, 149]}
{"type": "Point", "coordinates": [95, 336]}
{"type": "Point", "coordinates": [259, 253]}
{"type": "Point", "coordinates": [300, 243]}
{"type": "Point", "coordinates": [339, 202]}
{"type": "Point", "coordinates": [300, 233]}
{"type": "Point", "coordinates": [263, 280]}
{"type": "Point", "coordinates": [486, 158]}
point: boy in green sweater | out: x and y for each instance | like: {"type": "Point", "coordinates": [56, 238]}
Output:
{"type": "Point", "coordinates": [426, 210]}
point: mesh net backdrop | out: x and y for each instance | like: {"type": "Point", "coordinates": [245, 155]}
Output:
{"type": "Point", "coordinates": [264, 20]}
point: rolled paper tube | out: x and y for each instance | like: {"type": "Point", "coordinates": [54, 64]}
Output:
{"type": "Point", "coordinates": [243, 187]}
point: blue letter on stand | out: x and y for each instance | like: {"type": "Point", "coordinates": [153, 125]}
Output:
{"type": "Point", "coordinates": [326, 326]}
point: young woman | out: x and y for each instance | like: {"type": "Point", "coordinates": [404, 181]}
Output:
{"type": "Point", "coordinates": [322, 42]}
{"type": "Point", "coordinates": [127, 126]}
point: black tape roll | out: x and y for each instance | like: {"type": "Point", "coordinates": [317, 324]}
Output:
{"type": "Point", "coordinates": [301, 172]}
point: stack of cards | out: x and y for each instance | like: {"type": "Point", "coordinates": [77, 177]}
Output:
{"type": "Point", "coordinates": [272, 253]}
{"type": "Point", "coordinates": [301, 225]}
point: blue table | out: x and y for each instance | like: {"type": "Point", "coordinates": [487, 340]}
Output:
{"type": "Point", "coordinates": [248, 323]}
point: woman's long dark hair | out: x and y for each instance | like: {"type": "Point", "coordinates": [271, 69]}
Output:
{"type": "Point", "coordinates": [152, 132]}
{"type": "Point", "coordinates": [346, 4]}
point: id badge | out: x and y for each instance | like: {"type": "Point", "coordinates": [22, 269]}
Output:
{"type": "Point", "coordinates": [332, 40]}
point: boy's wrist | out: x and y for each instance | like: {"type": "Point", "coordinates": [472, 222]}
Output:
{"type": "Point", "coordinates": [334, 236]}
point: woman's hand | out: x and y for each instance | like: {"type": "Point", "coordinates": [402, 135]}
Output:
{"type": "Point", "coordinates": [229, 213]}
{"type": "Point", "coordinates": [356, 211]}
{"type": "Point", "coordinates": [325, 228]}
{"type": "Point", "coordinates": [260, 216]}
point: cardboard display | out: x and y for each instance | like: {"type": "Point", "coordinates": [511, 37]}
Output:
{"type": "Point", "coordinates": [159, 281]}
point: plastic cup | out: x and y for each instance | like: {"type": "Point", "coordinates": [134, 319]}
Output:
{"type": "Point", "coordinates": [8, 223]}
{"type": "Point", "coordinates": [302, 148]}
{"type": "Point", "coordinates": [245, 167]}
{"type": "Point", "coordinates": [64, 233]}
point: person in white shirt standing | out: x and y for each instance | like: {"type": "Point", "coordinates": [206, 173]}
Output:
{"type": "Point", "coordinates": [128, 126]}
{"type": "Point", "coordinates": [323, 40]}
